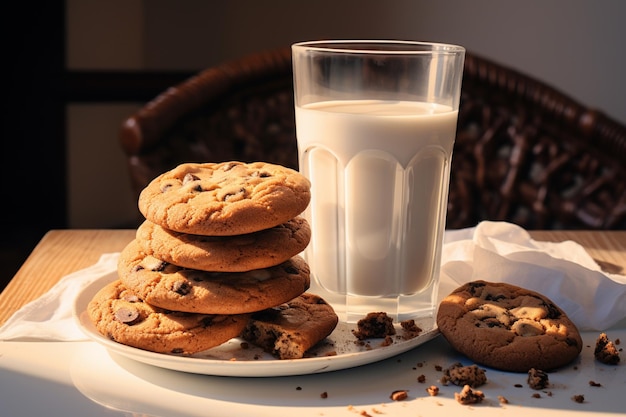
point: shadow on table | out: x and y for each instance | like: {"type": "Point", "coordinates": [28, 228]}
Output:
{"type": "Point", "coordinates": [366, 388]}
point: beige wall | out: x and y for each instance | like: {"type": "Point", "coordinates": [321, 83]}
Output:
{"type": "Point", "coordinates": [575, 45]}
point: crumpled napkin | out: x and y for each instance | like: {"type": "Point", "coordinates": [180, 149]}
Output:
{"type": "Point", "coordinates": [49, 317]}
{"type": "Point", "coordinates": [564, 271]}
{"type": "Point", "coordinates": [491, 251]}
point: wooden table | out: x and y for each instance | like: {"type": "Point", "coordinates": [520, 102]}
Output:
{"type": "Point", "coordinates": [61, 252]}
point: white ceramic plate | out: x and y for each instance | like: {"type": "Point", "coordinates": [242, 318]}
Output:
{"type": "Point", "coordinates": [339, 351]}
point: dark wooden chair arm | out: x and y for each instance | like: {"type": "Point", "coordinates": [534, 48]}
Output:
{"type": "Point", "coordinates": [525, 152]}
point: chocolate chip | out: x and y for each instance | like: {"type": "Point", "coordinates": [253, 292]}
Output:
{"type": "Point", "coordinates": [126, 315]}
{"type": "Point", "coordinates": [473, 286]}
{"type": "Point", "coordinates": [190, 178]}
{"type": "Point", "coordinates": [153, 264]}
{"type": "Point", "coordinates": [492, 322]}
{"type": "Point", "coordinates": [239, 194]}
{"type": "Point", "coordinates": [230, 166]}
{"type": "Point", "coordinates": [491, 297]}
{"type": "Point", "coordinates": [160, 267]}
{"type": "Point", "coordinates": [260, 174]}
{"type": "Point", "coordinates": [181, 287]}
{"type": "Point", "coordinates": [553, 311]}
{"type": "Point", "coordinates": [166, 187]}
{"type": "Point", "coordinates": [131, 298]}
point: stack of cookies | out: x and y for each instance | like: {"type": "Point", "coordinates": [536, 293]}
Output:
{"type": "Point", "coordinates": [217, 257]}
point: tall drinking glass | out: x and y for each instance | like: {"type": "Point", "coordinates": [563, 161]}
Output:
{"type": "Point", "coordinates": [376, 123]}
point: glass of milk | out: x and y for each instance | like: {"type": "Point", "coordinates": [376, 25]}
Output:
{"type": "Point", "coordinates": [376, 123]}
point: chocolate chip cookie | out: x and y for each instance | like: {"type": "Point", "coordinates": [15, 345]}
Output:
{"type": "Point", "coordinates": [122, 316]}
{"type": "Point", "coordinates": [287, 331]}
{"type": "Point", "coordinates": [224, 199]}
{"type": "Point", "coordinates": [508, 327]}
{"type": "Point", "coordinates": [240, 253]}
{"type": "Point", "coordinates": [172, 287]}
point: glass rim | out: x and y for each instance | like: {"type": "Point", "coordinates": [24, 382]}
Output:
{"type": "Point", "coordinates": [378, 46]}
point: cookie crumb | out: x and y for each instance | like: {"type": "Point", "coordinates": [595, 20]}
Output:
{"type": "Point", "coordinates": [374, 325]}
{"type": "Point", "coordinates": [469, 396]}
{"type": "Point", "coordinates": [324, 395]}
{"type": "Point", "coordinates": [399, 395]}
{"type": "Point", "coordinates": [502, 399]}
{"type": "Point", "coordinates": [605, 350]}
{"type": "Point", "coordinates": [536, 395]}
{"type": "Point", "coordinates": [460, 375]}
{"type": "Point", "coordinates": [433, 390]}
{"type": "Point", "coordinates": [421, 379]}
{"type": "Point", "coordinates": [387, 342]}
{"type": "Point", "coordinates": [579, 398]}
{"type": "Point", "coordinates": [537, 379]}
{"type": "Point", "coordinates": [410, 329]}
{"type": "Point", "coordinates": [594, 384]}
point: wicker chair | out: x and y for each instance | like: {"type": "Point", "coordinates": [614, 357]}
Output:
{"type": "Point", "coordinates": [525, 153]}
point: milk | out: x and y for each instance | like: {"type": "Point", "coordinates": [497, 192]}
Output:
{"type": "Point", "coordinates": [379, 172]}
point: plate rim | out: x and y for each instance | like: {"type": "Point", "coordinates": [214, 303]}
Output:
{"type": "Point", "coordinates": [237, 368]}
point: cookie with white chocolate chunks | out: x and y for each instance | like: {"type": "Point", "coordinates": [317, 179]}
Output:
{"type": "Point", "coordinates": [289, 330]}
{"type": "Point", "coordinates": [507, 327]}
{"type": "Point", "coordinates": [120, 315]}
{"type": "Point", "coordinates": [172, 287]}
{"type": "Point", "coordinates": [268, 247]}
{"type": "Point", "coordinates": [224, 199]}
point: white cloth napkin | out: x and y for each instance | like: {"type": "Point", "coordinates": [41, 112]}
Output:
{"type": "Point", "coordinates": [491, 251]}
{"type": "Point", "coordinates": [564, 271]}
{"type": "Point", "coordinates": [49, 317]}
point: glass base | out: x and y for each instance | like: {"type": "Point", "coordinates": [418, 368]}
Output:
{"type": "Point", "coordinates": [352, 308]}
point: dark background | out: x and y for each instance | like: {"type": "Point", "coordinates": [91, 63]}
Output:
{"type": "Point", "coordinates": [37, 89]}
{"type": "Point", "coordinates": [33, 151]}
